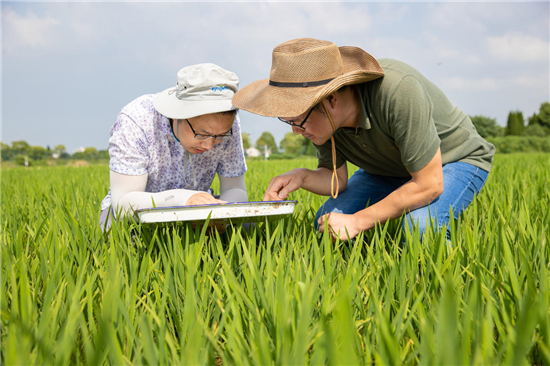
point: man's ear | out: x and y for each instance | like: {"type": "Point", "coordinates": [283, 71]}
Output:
{"type": "Point", "coordinates": [332, 100]}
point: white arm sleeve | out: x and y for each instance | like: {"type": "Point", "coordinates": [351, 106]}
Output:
{"type": "Point", "coordinates": [128, 194]}
{"type": "Point", "coordinates": [233, 189]}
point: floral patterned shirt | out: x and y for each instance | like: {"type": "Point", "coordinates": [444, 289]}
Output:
{"type": "Point", "coordinates": [142, 142]}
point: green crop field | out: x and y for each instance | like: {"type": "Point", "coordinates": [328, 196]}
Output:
{"type": "Point", "coordinates": [281, 293]}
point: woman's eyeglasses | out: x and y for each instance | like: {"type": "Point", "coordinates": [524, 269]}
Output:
{"type": "Point", "coordinates": [200, 136]}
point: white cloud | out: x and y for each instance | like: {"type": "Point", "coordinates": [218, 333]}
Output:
{"type": "Point", "coordinates": [29, 30]}
{"type": "Point", "coordinates": [531, 81]}
{"type": "Point", "coordinates": [519, 47]}
{"type": "Point", "coordinates": [463, 84]}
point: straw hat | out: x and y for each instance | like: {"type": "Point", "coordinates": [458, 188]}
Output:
{"type": "Point", "coordinates": [303, 72]}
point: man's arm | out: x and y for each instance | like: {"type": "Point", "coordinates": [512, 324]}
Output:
{"type": "Point", "coordinates": [316, 181]}
{"type": "Point", "coordinates": [424, 187]}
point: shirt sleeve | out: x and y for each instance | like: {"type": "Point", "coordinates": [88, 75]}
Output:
{"type": "Point", "coordinates": [233, 189]}
{"type": "Point", "coordinates": [412, 124]}
{"type": "Point", "coordinates": [128, 147]}
{"type": "Point", "coordinates": [232, 162]}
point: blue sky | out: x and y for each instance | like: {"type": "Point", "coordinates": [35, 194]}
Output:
{"type": "Point", "coordinates": [69, 67]}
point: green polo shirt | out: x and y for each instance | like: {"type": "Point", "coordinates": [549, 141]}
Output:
{"type": "Point", "coordinates": [405, 119]}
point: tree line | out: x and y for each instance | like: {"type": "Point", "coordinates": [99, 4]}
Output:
{"type": "Point", "coordinates": [291, 145]}
{"type": "Point", "coordinates": [21, 153]}
{"type": "Point", "coordinates": [518, 135]}
{"type": "Point", "coordinates": [538, 125]}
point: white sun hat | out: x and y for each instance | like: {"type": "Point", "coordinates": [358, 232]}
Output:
{"type": "Point", "coordinates": [200, 89]}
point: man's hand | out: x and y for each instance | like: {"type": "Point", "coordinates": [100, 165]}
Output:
{"type": "Point", "coordinates": [283, 184]}
{"type": "Point", "coordinates": [338, 223]}
{"type": "Point", "coordinates": [203, 198]}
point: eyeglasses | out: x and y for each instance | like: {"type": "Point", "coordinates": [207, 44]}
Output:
{"type": "Point", "coordinates": [301, 125]}
{"type": "Point", "coordinates": [200, 136]}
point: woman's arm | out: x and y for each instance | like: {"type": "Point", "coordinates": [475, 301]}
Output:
{"type": "Point", "coordinates": [233, 189]}
{"type": "Point", "coordinates": [128, 194]}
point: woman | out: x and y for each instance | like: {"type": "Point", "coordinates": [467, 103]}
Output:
{"type": "Point", "coordinates": [166, 149]}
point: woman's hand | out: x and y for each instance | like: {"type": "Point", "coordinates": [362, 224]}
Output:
{"type": "Point", "coordinates": [203, 198]}
{"type": "Point", "coordinates": [338, 224]}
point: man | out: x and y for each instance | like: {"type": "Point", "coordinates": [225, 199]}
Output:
{"type": "Point", "coordinates": [418, 154]}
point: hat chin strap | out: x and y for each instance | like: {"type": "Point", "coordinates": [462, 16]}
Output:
{"type": "Point", "coordinates": [333, 192]}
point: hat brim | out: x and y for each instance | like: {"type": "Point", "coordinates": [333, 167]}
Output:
{"type": "Point", "coordinates": [272, 101]}
{"type": "Point", "coordinates": [167, 104]}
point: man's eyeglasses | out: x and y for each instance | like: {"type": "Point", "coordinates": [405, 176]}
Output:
{"type": "Point", "coordinates": [200, 136]}
{"type": "Point", "coordinates": [301, 125]}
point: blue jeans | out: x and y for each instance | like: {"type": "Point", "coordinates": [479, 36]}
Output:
{"type": "Point", "coordinates": [461, 182]}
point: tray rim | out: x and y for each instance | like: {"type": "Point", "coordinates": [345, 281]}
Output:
{"type": "Point", "coordinates": [294, 202]}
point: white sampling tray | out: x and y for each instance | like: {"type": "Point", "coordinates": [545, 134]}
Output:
{"type": "Point", "coordinates": [219, 213]}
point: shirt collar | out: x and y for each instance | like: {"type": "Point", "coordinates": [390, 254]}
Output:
{"type": "Point", "coordinates": [165, 125]}
{"type": "Point", "coordinates": [364, 120]}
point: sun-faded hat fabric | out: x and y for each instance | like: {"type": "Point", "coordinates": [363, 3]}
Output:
{"type": "Point", "coordinates": [303, 72]}
{"type": "Point", "coordinates": [200, 89]}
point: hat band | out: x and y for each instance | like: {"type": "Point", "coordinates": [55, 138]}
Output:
{"type": "Point", "coordinates": [305, 84]}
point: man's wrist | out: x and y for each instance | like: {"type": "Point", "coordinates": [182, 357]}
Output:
{"type": "Point", "coordinates": [302, 174]}
{"type": "Point", "coordinates": [360, 220]}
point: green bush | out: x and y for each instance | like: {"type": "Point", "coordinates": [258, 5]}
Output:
{"type": "Point", "coordinates": [536, 130]}
{"type": "Point", "coordinates": [485, 126]}
{"type": "Point", "coordinates": [20, 160]}
{"type": "Point", "coordinates": [512, 144]}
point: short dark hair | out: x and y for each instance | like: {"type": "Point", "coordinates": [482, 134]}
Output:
{"type": "Point", "coordinates": [319, 108]}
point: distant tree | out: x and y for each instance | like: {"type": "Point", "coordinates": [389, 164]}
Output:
{"type": "Point", "coordinates": [103, 154]}
{"type": "Point", "coordinates": [485, 126]}
{"type": "Point", "coordinates": [535, 130]}
{"type": "Point", "coordinates": [90, 153]}
{"type": "Point", "coordinates": [544, 115]}
{"type": "Point", "coordinates": [78, 155]}
{"type": "Point", "coordinates": [246, 140]}
{"type": "Point", "coordinates": [266, 139]}
{"type": "Point", "coordinates": [60, 151]}
{"type": "Point", "coordinates": [533, 120]}
{"type": "Point", "coordinates": [20, 147]}
{"type": "Point", "coordinates": [292, 144]}
{"type": "Point", "coordinates": [37, 152]}
{"type": "Point", "coordinates": [516, 124]}
{"type": "Point", "coordinates": [7, 152]}
{"type": "Point", "coordinates": [23, 160]}
{"type": "Point", "coordinates": [308, 148]}
{"type": "Point", "coordinates": [541, 119]}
